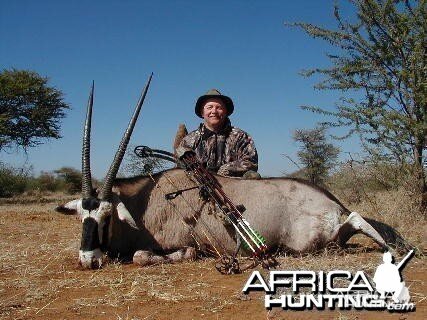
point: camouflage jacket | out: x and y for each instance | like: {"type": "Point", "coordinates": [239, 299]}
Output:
{"type": "Point", "coordinates": [230, 152]}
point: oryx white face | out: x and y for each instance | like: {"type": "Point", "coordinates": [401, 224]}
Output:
{"type": "Point", "coordinates": [94, 215]}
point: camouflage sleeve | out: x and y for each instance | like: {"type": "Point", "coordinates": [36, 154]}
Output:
{"type": "Point", "coordinates": [246, 154]}
{"type": "Point", "coordinates": [187, 144]}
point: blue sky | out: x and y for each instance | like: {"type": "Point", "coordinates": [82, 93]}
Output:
{"type": "Point", "coordinates": [241, 48]}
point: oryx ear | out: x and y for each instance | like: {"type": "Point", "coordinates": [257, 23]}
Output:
{"type": "Point", "coordinates": [180, 134]}
{"type": "Point", "coordinates": [125, 216]}
{"type": "Point", "coordinates": [70, 208]}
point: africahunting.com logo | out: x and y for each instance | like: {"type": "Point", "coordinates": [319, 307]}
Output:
{"type": "Point", "coordinates": [325, 290]}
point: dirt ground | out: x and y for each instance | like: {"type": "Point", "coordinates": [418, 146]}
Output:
{"type": "Point", "coordinates": [40, 279]}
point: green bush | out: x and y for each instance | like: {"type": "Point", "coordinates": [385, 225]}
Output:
{"type": "Point", "coordinates": [71, 179]}
{"type": "Point", "coordinates": [13, 181]}
{"type": "Point", "coordinates": [355, 181]}
{"type": "Point", "coordinates": [46, 181]}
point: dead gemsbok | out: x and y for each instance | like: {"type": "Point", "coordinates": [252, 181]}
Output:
{"type": "Point", "coordinates": [131, 217]}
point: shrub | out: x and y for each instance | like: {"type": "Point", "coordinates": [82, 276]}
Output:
{"type": "Point", "coordinates": [13, 181]}
{"type": "Point", "coordinates": [71, 179]}
{"type": "Point", "coordinates": [47, 181]}
{"type": "Point", "coordinates": [360, 181]}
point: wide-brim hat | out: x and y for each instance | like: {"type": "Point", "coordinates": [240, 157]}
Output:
{"type": "Point", "coordinates": [213, 93]}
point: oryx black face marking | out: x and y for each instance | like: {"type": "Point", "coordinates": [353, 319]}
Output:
{"type": "Point", "coordinates": [90, 204]}
{"type": "Point", "coordinates": [90, 237]}
{"type": "Point", "coordinates": [105, 233]}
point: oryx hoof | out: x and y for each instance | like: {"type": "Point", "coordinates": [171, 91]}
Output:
{"type": "Point", "coordinates": [147, 258]}
{"type": "Point", "coordinates": [188, 253]}
{"type": "Point", "coordinates": [142, 257]}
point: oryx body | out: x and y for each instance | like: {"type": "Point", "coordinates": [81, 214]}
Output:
{"type": "Point", "coordinates": [132, 214]}
{"type": "Point", "coordinates": [287, 212]}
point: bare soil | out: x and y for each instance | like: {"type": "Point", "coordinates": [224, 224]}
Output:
{"type": "Point", "coordinates": [40, 279]}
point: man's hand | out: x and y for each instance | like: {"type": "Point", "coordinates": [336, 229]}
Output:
{"type": "Point", "coordinates": [187, 154]}
{"type": "Point", "coordinates": [223, 171]}
{"type": "Point", "coordinates": [188, 159]}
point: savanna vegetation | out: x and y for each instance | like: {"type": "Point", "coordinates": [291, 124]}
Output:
{"type": "Point", "coordinates": [379, 64]}
{"type": "Point", "coordinates": [15, 181]}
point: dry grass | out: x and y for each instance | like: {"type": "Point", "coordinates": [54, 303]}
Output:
{"type": "Point", "coordinates": [39, 277]}
{"type": "Point", "coordinates": [398, 211]}
{"type": "Point", "coordinates": [37, 197]}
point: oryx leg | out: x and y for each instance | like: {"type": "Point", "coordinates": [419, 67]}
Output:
{"type": "Point", "coordinates": [353, 225]}
{"type": "Point", "coordinates": [147, 258]}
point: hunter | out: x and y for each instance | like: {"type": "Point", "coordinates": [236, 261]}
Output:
{"type": "Point", "coordinates": [222, 148]}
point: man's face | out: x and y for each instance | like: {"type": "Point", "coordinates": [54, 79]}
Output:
{"type": "Point", "coordinates": [214, 113]}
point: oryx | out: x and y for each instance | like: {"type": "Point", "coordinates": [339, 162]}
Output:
{"type": "Point", "coordinates": [131, 217]}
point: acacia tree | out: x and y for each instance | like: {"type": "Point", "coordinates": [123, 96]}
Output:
{"type": "Point", "coordinates": [30, 110]}
{"type": "Point", "coordinates": [382, 56]}
{"type": "Point", "coordinates": [71, 177]}
{"type": "Point", "coordinates": [316, 154]}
